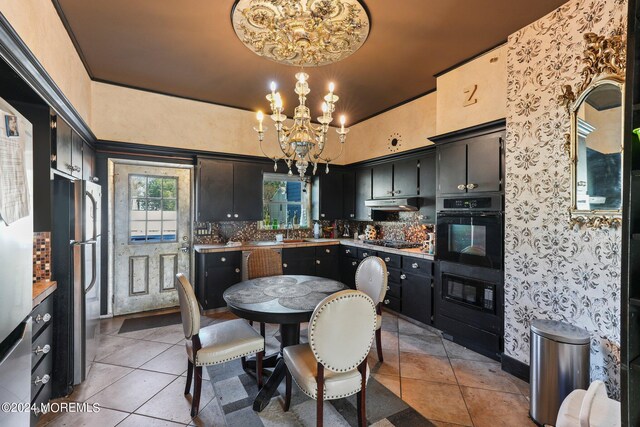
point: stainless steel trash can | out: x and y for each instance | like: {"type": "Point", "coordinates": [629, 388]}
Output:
{"type": "Point", "coordinates": [559, 364]}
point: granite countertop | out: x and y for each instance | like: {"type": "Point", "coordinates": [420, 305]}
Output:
{"type": "Point", "coordinates": [247, 246]}
{"type": "Point", "coordinates": [413, 252]}
{"type": "Point", "coordinates": [41, 290]}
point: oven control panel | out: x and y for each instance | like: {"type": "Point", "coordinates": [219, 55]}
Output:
{"type": "Point", "coordinates": [486, 203]}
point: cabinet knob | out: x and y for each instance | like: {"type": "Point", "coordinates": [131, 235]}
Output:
{"type": "Point", "coordinates": [388, 287]}
{"type": "Point", "coordinates": [45, 379]}
{"type": "Point", "coordinates": [415, 265]}
{"type": "Point", "coordinates": [354, 263]}
{"type": "Point", "coordinates": [237, 270]}
{"type": "Point", "coordinates": [44, 350]}
{"type": "Point", "coordinates": [365, 254]}
{"type": "Point", "coordinates": [76, 169]}
{"type": "Point", "coordinates": [223, 259]}
{"type": "Point", "coordinates": [386, 302]}
{"type": "Point", "coordinates": [328, 251]}
{"type": "Point", "coordinates": [42, 318]}
{"type": "Point", "coordinates": [284, 265]}
{"type": "Point", "coordinates": [322, 215]}
{"type": "Point", "coordinates": [235, 215]}
{"type": "Point", "coordinates": [403, 276]}
{"type": "Point", "coordinates": [389, 192]}
{"type": "Point", "coordinates": [462, 187]}
{"type": "Point", "coordinates": [388, 273]}
{"type": "Point", "coordinates": [397, 192]}
{"type": "Point", "coordinates": [347, 251]}
{"type": "Point", "coordinates": [318, 261]}
{"type": "Point", "coordinates": [471, 186]}
{"type": "Point", "coordinates": [387, 259]}
{"type": "Point", "coordinates": [352, 215]}
{"type": "Point", "coordinates": [228, 215]}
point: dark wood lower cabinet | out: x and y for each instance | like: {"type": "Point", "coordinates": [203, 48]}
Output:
{"type": "Point", "coordinates": [215, 272]}
{"type": "Point", "coordinates": [416, 297]}
{"type": "Point", "coordinates": [303, 266]}
{"type": "Point", "coordinates": [43, 348]}
{"type": "Point", "coordinates": [319, 261]}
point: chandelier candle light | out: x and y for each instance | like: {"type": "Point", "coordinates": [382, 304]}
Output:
{"type": "Point", "coordinates": [302, 143]}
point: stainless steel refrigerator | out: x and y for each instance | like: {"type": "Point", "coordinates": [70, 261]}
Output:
{"type": "Point", "coordinates": [77, 241]}
{"type": "Point", "coordinates": [16, 261]}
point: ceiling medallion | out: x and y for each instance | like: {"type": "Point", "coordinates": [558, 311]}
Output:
{"type": "Point", "coordinates": [304, 33]}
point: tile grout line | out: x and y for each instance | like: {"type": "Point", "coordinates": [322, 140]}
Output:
{"type": "Point", "coordinates": [459, 385]}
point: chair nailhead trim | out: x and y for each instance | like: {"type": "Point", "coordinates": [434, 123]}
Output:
{"type": "Point", "coordinates": [311, 329]}
{"type": "Point", "coordinates": [197, 363]}
{"type": "Point", "coordinates": [324, 392]}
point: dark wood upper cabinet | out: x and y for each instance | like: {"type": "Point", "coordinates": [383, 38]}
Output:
{"type": "Point", "coordinates": [452, 168]}
{"type": "Point", "coordinates": [88, 163]}
{"type": "Point", "coordinates": [247, 191]}
{"type": "Point", "coordinates": [363, 192]}
{"type": "Point", "coordinates": [471, 165]}
{"type": "Point", "coordinates": [77, 144]}
{"type": "Point", "coordinates": [349, 195]}
{"type": "Point", "coordinates": [326, 196]}
{"type": "Point", "coordinates": [214, 190]}
{"type": "Point", "coordinates": [428, 187]}
{"type": "Point", "coordinates": [405, 178]}
{"type": "Point", "coordinates": [484, 163]}
{"type": "Point", "coordinates": [228, 191]}
{"type": "Point", "coordinates": [61, 145]}
{"type": "Point", "coordinates": [383, 181]}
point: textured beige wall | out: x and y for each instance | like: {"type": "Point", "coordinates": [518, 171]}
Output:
{"type": "Point", "coordinates": [38, 24]}
{"type": "Point", "coordinates": [413, 122]}
{"type": "Point", "coordinates": [128, 115]}
{"type": "Point", "coordinates": [491, 80]}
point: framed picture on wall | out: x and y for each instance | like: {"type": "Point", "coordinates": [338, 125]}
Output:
{"type": "Point", "coordinates": [11, 125]}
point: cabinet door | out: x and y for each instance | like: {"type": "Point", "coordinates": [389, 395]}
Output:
{"type": "Point", "coordinates": [327, 196]}
{"type": "Point", "coordinates": [303, 266]}
{"type": "Point", "coordinates": [428, 187]}
{"type": "Point", "coordinates": [348, 267]}
{"type": "Point", "coordinates": [363, 192]}
{"type": "Point", "coordinates": [63, 146]}
{"type": "Point", "coordinates": [405, 178]}
{"type": "Point", "coordinates": [214, 190]}
{"type": "Point", "coordinates": [484, 164]}
{"type": "Point", "coordinates": [452, 168]}
{"type": "Point", "coordinates": [328, 267]}
{"type": "Point", "coordinates": [76, 154]}
{"type": "Point", "coordinates": [349, 195]}
{"type": "Point", "coordinates": [247, 191]}
{"type": "Point", "coordinates": [416, 297]}
{"type": "Point", "coordinates": [383, 181]}
{"type": "Point", "coordinates": [88, 163]}
{"type": "Point", "coordinates": [218, 280]}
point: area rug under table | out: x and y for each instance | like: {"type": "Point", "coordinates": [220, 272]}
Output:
{"type": "Point", "coordinates": [235, 391]}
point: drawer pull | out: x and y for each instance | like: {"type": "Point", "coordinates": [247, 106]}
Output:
{"type": "Point", "coordinates": [285, 265]}
{"type": "Point", "coordinates": [44, 350]}
{"type": "Point", "coordinates": [387, 259]}
{"type": "Point", "coordinates": [318, 261]}
{"type": "Point", "coordinates": [42, 318]}
{"type": "Point", "coordinates": [223, 259]}
{"type": "Point", "coordinates": [237, 270]}
{"type": "Point", "coordinates": [403, 276]}
{"type": "Point", "coordinates": [386, 302]}
{"type": "Point", "coordinates": [462, 187]}
{"type": "Point", "coordinates": [45, 379]}
{"type": "Point", "coordinates": [415, 265]}
{"type": "Point", "coordinates": [354, 263]}
{"type": "Point", "coordinates": [347, 251]}
{"type": "Point", "coordinates": [328, 251]}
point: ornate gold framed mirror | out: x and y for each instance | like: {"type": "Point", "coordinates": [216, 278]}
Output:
{"type": "Point", "coordinates": [596, 139]}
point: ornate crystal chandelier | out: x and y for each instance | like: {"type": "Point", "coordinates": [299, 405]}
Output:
{"type": "Point", "coordinates": [302, 143]}
{"type": "Point", "coordinates": [304, 33]}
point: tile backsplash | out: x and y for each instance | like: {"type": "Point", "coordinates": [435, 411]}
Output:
{"type": "Point", "coordinates": [407, 226]}
{"type": "Point", "coordinates": [41, 256]}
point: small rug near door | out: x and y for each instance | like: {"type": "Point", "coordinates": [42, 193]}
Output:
{"type": "Point", "coordinates": [235, 391]}
{"type": "Point", "coordinates": [148, 322]}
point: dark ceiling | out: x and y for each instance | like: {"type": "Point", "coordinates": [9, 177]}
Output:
{"type": "Point", "coordinates": [189, 49]}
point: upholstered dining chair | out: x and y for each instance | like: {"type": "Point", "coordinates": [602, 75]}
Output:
{"type": "Point", "coordinates": [213, 344]}
{"type": "Point", "coordinates": [333, 364]}
{"type": "Point", "coordinates": [263, 263]}
{"type": "Point", "coordinates": [371, 278]}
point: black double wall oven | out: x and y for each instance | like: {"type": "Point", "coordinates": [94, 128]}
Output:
{"type": "Point", "coordinates": [469, 297]}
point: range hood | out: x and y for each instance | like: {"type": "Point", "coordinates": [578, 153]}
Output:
{"type": "Point", "coordinates": [393, 205]}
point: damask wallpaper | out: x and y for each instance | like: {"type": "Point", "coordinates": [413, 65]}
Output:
{"type": "Point", "coordinates": [553, 272]}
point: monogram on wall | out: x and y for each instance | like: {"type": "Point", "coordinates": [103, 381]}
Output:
{"type": "Point", "coordinates": [552, 271]}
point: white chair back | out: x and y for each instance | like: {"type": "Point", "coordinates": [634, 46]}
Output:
{"type": "Point", "coordinates": [371, 278]}
{"type": "Point", "coordinates": [341, 330]}
{"type": "Point", "coordinates": [189, 308]}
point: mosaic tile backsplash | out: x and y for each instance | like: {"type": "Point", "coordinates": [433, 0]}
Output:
{"type": "Point", "coordinates": [408, 226]}
{"type": "Point", "coordinates": [41, 256]}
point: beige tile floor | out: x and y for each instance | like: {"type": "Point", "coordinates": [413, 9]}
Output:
{"type": "Point", "coordinates": [139, 379]}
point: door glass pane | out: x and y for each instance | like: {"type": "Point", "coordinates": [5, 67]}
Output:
{"type": "Point", "coordinates": [153, 209]}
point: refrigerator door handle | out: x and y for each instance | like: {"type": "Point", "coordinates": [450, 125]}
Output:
{"type": "Point", "coordinates": [94, 207]}
{"type": "Point", "coordinates": [93, 268]}
{"type": "Point", "coordinates": [86, 242]}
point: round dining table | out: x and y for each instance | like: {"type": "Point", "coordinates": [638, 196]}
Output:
{"type": "Point", "coordinates": [287, 300]}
